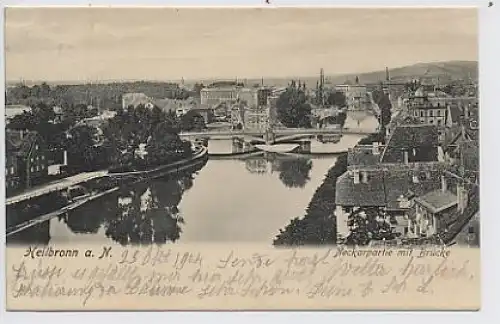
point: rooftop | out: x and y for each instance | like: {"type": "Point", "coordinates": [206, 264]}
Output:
{"type": "Point", "coordinates": [437, 200]}
{"type": "Point", "coordinates": [384, 187]}
{"type": "Point", "coordinates": [363, 155]}
{"type": "Point", "coordinates": [411, 136]}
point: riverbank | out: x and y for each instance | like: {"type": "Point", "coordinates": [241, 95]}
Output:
{"type": "Point", "coordinates": [319, 224]}
{"type": "Point", "coordinates": [107, 184]}
{"type": "Point", "coordinates": [199, 155]}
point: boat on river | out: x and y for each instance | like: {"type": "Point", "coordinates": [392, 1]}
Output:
{"type": "Point", "coordinates": [278, 148]}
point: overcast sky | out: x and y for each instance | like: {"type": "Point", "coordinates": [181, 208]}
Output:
{"type": "Point", "coordinates": [62, 44]}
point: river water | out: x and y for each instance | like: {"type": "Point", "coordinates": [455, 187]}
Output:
{"type": "Point", "coordinates": [231, 199]}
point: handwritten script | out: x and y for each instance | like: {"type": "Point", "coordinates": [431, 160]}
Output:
{"type": "Point", "coordinates": [187, 278]}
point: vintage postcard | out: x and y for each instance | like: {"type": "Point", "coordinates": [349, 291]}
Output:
{"type": "Point", "coordinates": [242, 158]}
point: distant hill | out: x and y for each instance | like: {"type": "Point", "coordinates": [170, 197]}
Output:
{"type": "Point", "coordinates": [452, 70]}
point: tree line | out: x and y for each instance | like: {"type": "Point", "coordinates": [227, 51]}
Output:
{"type": "Point", "coordinates": [319, 224]}
{"type": "Point", "coordinates": [114, 142]}
{"type": "Point", "coordinates": [294, 109]}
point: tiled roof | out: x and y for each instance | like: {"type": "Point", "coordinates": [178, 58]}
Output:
{"type": "Point", "coordinates": [401, 182]}
{"type": "Point", "coordinates": [385, 186]}
{"type": "Point", "coordinates": [410, 136]}
{"type": "Point", "coordinates": [437, 200]}
{"type": "Point", "coordinates": [362, 155]}
{"type": "Point", "coordinates": [406, 137]}
{"type": "Point", "coordinates": [361, 194]}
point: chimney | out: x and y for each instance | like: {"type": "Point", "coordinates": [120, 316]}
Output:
{"type": "Point", "coordinates": [444, 185]}
{"type": "Point", "coordinates": [355, 174]}
{"type": "Point", "coordinates": [405, 157]}
{"type": "Point", "coordinates": [375, 149]}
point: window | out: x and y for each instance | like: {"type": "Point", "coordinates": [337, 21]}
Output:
{"type": "Point", "coordinates": [31, 159]}
{"type": "Point", "coordinates": [430, 113]}
{"type": "Point", "coordinates": [36, 147]}
{"type": "Point", "coordinates": [439, 113]}
{"type": "Point", "coordinates": [32, 169]}
{"type": "Point", "coordinates": [43, 157]}
{"type": "Point", "coordinates": [439, 122]}
{"type": "Point", "coordinates": [421, 113]}
{"type": "Point", "coordinates": [11, 170]}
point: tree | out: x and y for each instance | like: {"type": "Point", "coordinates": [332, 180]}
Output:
{"type": "Point", "coordinates": [336, 98]}
{"type": "Point", "coordinates": [292, 109]}
{"type": "Point", "coordinates": [366, 224]}
{"type": "Point", "coordinates": [192, 120]}
{"type": "Point", "coordinates": [82, 155]}
{"type": "Point", "coordinates": [384, 103]}
{"type": "Point", "coordinates": [164, 145]}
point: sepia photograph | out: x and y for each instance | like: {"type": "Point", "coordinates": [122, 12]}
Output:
{"type": "Point", "coordinates": [283, 128]}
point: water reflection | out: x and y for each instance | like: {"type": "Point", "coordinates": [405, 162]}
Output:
{"type": "Point", "coordinates": [294, 172]}
{"type": "Point", "coordinates": [142, 214]}
{"type": "Point", "coordinates": [35, 235]}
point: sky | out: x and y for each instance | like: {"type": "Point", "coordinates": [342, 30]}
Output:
{"type": "Point", "coordinates": [70, 44]}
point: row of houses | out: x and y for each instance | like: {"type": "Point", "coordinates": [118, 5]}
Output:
{"type": "Point", "coordinates": [412, 177]}
{"type": "Point", "coordinates": [26, 160]}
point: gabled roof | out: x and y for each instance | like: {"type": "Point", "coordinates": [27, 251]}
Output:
{"type": "Point", "coordinates": [410, 136]}
{"type": "Point", "coordinates": [385, 186]}
{"type": "Point", "coordinates": [369, 194]}
{"type": "Point", "coordinates": [437, 200]}
{"type": "Point", "coordinates": [362, 155]}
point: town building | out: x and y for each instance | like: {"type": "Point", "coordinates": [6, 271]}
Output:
{"type": "Point", "coordinates": [428, 111]}
{"type": "Point", "coordinates": [26, 160]}
{"type": "Point", "coordinates": [135, 99]}
{"type": "Point", "coordinates": [13, 110]}
{"type": "Point", "coordinates": [435, 209]}
{"type": "Point", "coordinates": [390, 187]}
{"type": "Point", "coordinates": [58, 114]}
{"type": "Point", "coordinates": [356, 95]}
{"type": "Point", "coordinates": [216, 95]}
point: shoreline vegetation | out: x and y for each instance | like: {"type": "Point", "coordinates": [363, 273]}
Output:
{"type": "Point", "coordinates": [319, 224]}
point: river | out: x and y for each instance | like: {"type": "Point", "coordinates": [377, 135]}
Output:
{"type": "Point", "coordinates": [236, 199]}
